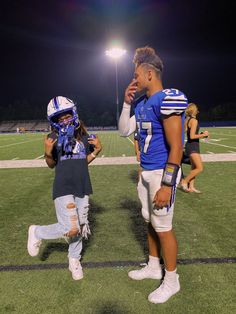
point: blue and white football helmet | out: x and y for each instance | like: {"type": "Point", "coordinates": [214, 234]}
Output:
{"type": "Point", "coordinates": [59, 105]}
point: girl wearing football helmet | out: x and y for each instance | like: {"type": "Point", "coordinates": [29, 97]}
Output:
{"type": "Point", "coordinates": [69, 149]}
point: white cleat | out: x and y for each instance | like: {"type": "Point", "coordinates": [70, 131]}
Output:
{"type": "Point", "coordinates": [165, 291]}
{"type": "Point", "coordinates": [75, 268]}
{"type": "Point", "coordinates": [146, 273]}
{"type": "Point", "coordinates": [34, 243]}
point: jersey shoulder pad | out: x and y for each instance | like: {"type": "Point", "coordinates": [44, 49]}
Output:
{"type": "Point", "coordinates": [173, 101]}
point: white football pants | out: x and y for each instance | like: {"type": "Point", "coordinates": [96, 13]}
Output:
{"type": "Point", "coordinates": [149, 184]}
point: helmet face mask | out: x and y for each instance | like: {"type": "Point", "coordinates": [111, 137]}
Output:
{"type": "Point", "coordinates": [62, 105]}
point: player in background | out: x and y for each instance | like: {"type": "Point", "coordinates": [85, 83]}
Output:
{"type": "Point", "coordinates": [159, 116]}
{"type": "Point", "coordinates": [67, 148]}
{"type": "Point", "coordinates": [192, 148]}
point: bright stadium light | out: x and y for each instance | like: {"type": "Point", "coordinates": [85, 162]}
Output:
{"type": "Point", "coordinates": [116, 53]}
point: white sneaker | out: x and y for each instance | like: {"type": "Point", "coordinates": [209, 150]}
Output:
{"type": "Point", "coordinates": [34, 243]}
{"type": "Point", "coordinates": [145, 273]}
{"type": "Point", "coordinates": [75, 268]}
{"type": "Point", "coordinates": [165, 291]}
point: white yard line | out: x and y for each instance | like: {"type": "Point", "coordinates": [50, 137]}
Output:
{"type": "Point", "coordinates": [39, 157]}
{"type": "Point", "coordinates": [219, 145]}
{"type": "Point", "coordinates": [217, 139]}
{"type": "Point", "coordinates": [18, 143]}
{"type": "Point", "coordinates": [15, 158]}
{"type": "Point", "coordinates": [106, 161]}
{"type": "Point", "coordinates": [130, 140]}
{"type": "Point", "coordinates": [217, 134]}
{"type": "Point", "coordinates": [210, 152]}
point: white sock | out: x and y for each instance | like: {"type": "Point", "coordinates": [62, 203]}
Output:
{"type": "Point", "coordinates": [171, 276]}
{"type": "Point", "coordinates": [154, 262]}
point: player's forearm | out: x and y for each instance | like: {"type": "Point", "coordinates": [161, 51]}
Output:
{"type": "Point", "coordinates": [175, 153]}
{"type": "Point", "coordinates": [126, 125]}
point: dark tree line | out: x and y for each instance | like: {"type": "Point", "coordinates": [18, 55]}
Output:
{"type": "Point", "coordinates": [100, 114]}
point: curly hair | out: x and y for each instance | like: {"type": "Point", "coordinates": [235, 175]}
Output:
{"type": "Point", "coordinates": [147, 55]}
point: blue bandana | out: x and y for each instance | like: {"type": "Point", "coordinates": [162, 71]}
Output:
{"type": "Point", "coordinates": [66, 138]}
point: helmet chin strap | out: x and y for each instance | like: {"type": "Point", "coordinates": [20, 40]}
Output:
{"type": "Point", "coordinates": [66, 138]}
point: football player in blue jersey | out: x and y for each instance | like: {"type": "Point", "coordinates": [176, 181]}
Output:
{"type": "Point", "coordinates": [159, 116]}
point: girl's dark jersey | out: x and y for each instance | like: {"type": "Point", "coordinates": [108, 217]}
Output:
{"type": "Point", "coordinates": [71, 171]}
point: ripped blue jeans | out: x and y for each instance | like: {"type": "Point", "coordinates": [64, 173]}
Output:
{"type": "Point", "coordinates": [67, 211]}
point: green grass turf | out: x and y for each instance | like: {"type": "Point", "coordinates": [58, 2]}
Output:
{"type": "Point", "coordinates": [204, 226]}
{"type": "Point", "coordinates": [205, 289]}
{"type": "Point", "coordinates": [204, 223]}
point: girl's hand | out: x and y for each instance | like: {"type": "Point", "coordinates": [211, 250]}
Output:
{"type": "Point", "coordinates": [97, 144]}
{"type": "Point", "coordinates": [48, 145]}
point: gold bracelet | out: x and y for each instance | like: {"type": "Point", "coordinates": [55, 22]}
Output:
{"type": "Point", "coordinates": [93, 155]}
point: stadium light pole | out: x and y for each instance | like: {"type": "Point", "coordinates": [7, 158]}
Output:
{"type": "Point", "coordinates": [116, 54]}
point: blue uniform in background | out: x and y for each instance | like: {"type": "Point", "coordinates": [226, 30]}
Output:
{"type": "Point", "coordinates": [149, 113]}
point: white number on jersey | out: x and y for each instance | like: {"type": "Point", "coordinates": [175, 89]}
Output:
{"type": "Point", "coordinates": [146, 126]}
{"type": "Point", "coordinates": [172, 91]}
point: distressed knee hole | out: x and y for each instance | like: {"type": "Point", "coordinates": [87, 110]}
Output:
{"type": "Point", "coordinates": [74, 227]}
{"type": "Point", "coordinates": [72, 233]}
{"type": "Point", "coordinates": [71, 206]}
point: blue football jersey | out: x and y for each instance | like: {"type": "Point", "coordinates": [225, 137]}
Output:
{"type": "Point", "coordinates": [149, 115]}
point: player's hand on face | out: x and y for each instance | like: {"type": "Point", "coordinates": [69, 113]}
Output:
{"type": "Point", "coordinates": [162, 197]}
{"type": "Point", "coordinates": [130, 92]}
{"type": "Point", "coordinates": [48, 144]}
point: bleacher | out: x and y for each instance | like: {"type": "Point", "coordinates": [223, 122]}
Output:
{"type": "Point", "coordinates": [24, 126]}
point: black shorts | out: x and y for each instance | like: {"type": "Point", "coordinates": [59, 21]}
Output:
{"type": "Point", "coordinates": [191, 148]}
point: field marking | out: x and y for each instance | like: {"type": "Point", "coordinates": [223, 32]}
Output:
{"type": "Point", "coordinates": [39, 157]}
{"type": "Point", "coordinates": [219, 145]}
{"type": "Point", "coordinates": [223, 134]}
{"type": "Point", "coordinates": [190, 261]}
{"type": "Point", "coordinates": [130, 140]}
{"type": "Point", "coordinates": [106, 161]}
{"type": "Point", "coordinates": [217, 139]}
{"type": "Point", "coordinates": [231, 151]}
{"type": "Point", "coordinates": [15, 158]}
{"type": "Point", "coordinates": [210, 152]}
{"type": "Point", "coordinates": [18, 143]}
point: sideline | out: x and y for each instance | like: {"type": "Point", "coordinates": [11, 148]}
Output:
{"type": "Point", "coordinates": [108, 161]}
{"type": "Point", "coordinates": [190, 261]}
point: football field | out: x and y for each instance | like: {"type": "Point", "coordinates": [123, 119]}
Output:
{"type": "Point", "coordinates": [204, 226]}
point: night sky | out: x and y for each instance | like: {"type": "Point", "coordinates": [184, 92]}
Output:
{"type": "Point", "coordinates": [51, 48]}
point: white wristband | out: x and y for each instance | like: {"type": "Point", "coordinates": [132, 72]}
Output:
{"type": "Point", "coordinates": [93, 155]}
